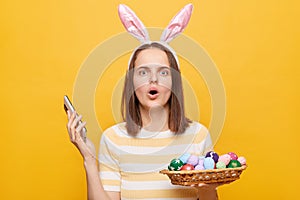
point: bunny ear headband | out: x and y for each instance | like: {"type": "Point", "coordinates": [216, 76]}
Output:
{"type": "Point", "coordinates": [135, 27]}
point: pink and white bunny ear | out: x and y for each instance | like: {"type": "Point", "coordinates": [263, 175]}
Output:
{"type": "Point", "coordinates": [177, 24]}
{"type": "Point", "coordinates": [132, 23]}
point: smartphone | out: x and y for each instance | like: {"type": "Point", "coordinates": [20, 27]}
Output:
{"type": "Point", "coordinates": [68, 106]}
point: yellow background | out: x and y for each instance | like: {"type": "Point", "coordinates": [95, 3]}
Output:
{"type": "Point", "coordinates": [255, 45]}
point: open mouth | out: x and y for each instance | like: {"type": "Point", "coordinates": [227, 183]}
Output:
{"type": "Point", "coordinates": [153, 92]}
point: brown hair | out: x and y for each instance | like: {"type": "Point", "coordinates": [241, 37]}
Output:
{"type": "Point", "coordinates": [130, 104]}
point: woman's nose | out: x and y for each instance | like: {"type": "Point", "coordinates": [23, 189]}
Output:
{"type": "Point", "coordinates": [153, 77]}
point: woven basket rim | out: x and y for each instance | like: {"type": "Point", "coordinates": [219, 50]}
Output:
{"type": "Point", "coordinates": [166, 171]}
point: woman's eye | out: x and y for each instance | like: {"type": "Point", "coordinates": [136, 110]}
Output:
{"type": "Point", "coordinates": [164, 72]}
{"type": "Point", "coordinates": [142, 72]}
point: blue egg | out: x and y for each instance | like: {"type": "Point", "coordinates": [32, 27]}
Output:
{"type": "Point", "coordinates": [209, 163]}
{"type": "Point", "coordinates": [184, 158]}
{"type": "Point", "coordinates": [213, 155]}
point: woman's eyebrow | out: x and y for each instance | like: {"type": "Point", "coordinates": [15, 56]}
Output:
{"type": "Point", "coordinates": [152, 65]}
{"type": "Point", "coordinates": [164, 67]}
{"type": "Point", "coordinates": [142, 67]}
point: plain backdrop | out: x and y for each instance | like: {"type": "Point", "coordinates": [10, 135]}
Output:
{"type": "Point", "coordinates": [255, 45]}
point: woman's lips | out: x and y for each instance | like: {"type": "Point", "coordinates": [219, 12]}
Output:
{"type": "Point", "coordinates": [153, 93]}
{"type": "Point", "coordinates": [153, 96]}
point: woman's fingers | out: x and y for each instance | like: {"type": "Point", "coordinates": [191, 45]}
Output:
{"type": "Point", "coordinates": [79, 129]}
{"type": "Point", "coordinates": [76, 121]}
{"type": "Point", "coordinates": [75, 127]}
{"type": "Point", "coordinates": [72, 123]}
{"type": "Point", "coordinates": [209, 185]}
{"type": "Point", "coordinates": [68, 114]}
{"type": "Point", "coordinates": [71, 119]}
{"type": "Point", "coordinates": [201, 185]}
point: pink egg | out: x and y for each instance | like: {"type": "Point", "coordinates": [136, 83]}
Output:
{"type": "Point", "coordinates": [242, 160]}
{"type": "Point", "coordinates": [193, 160]}
{"type": "Point", "coordinates": [201, 161]}
{"type": "Point", "coordinates": [199, 167]}
{"type": "Point", "coordinates": [225, 159]}
{"type": "Point", "coordinates": [233, 156]}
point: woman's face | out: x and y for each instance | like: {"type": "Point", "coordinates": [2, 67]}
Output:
{"type": "Point", "coordinates": [152, 78]}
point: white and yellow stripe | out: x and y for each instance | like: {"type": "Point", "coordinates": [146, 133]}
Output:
{"type": "Point", "coordinates": [131, 165]}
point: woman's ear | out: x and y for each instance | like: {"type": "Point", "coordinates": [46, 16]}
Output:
{"type": "Point", "coordinates": [133, 24]}
{"type": "Point", "coordinates": [177, 24]}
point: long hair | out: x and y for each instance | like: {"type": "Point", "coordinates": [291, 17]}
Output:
{"type": "Point", "coordinates": [130, 104]}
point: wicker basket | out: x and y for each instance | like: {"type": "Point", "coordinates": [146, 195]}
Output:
{"type": "Point", "coordinates": [194, 177]}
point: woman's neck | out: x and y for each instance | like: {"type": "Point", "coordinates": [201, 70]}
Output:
{"type": "Point", "coordinates": [155, 118]}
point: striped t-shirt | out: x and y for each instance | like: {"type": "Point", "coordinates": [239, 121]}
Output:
{"type": "Point", "coordinates": [131, 165]}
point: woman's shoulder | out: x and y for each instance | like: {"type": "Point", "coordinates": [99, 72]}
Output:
{"type": "Point", "coordinates": [199, 131]}
{"type": "Point", "coordinates": [114, 135]}
{"type": "Point", "coordinates": [118, 130]}
{"type": "Point", "coordinates": [196, 127]}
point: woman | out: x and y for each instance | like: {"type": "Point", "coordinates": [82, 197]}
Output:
{"type": "Point", "coordinates": [155, 131]}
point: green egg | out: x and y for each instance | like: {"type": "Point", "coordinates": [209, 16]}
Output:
{"type": "Point", "coordinates": [234, 164]}
{"type": "Point", "coordinates": [220, 165]}
{"type": "Point", "coordinates": [175, 164]}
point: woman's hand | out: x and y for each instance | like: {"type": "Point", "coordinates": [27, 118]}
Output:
{"type": "Point", "coordinates": [209, 185]}
{"type": "Point", "coordinates": [95, 189]}
{"type": "Point", "coordinates": [86, 149]}
{"type": "Point", "coordinates": [208, 191]}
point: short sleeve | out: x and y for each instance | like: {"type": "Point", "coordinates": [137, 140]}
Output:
{"type": "Point", "coordinates": [109, 171]}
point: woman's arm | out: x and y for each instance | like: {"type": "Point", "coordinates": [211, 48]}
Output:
{"type": "Point", "coordinates": [94, 185]}
{"type": "Point", "coordinates": [207, 192]}
{"type": "Point", "coordinates": [87, 150]}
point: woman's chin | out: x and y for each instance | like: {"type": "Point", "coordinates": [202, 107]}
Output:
{"type": "Point", "coordinates": [155, 106]}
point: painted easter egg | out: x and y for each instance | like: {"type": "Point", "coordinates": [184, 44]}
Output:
{"type": "Point", "coordinates": [234, 164]}
{"type": "Point", "coordinates": [175, 164]}
{"type": "Point", "coordinates": [209, 163]}
{"type": "Point", "coordinates": [233, 156]}
{"type": "Point", "coordinates": [213, 155]}
{"type": "Point", "coordinates": [187, 167]}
